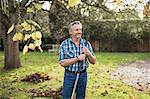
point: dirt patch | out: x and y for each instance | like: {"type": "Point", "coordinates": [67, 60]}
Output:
{"type": "Point", "coordinates": [135, 74]}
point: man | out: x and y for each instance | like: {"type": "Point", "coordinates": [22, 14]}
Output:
{"type": "Point", "coordinates": [74, 54]}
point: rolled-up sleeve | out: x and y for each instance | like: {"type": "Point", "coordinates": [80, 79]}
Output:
{"type": "Point", "coordinates": [90, 48]}
{"type": "Point", "coordinates": [61, 53]}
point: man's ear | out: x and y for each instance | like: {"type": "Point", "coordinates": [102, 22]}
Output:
{"type": "Point", "coordinates": [70, 32]}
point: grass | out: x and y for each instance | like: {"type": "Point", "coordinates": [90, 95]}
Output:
{"type": "Point", "coordinates": [100, 86]}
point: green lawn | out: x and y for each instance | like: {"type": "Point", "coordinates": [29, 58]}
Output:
{"type": "Point", "coordinates": [100, 86]}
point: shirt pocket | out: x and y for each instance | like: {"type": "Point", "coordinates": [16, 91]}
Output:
{"type": "Point", "coordinates": [70, 54]}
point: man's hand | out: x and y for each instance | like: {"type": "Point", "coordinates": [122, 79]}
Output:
{"type": "Point", "coordinates": [91, 58]}
{"type": "Point", "coordinates": [81, 57]}
{"type": "Point", "coordinates": [86, 51]}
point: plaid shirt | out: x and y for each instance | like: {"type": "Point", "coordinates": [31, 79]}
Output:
{"type": "Point", "coordinates": [69, 50]}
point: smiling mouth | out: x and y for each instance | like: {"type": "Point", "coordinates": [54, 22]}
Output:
{"type": "Point", "coordinates": [79, 33]}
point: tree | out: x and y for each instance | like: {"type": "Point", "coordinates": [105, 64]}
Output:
{"type": "Point", "coordinates": [11, 12]}
{"type": "Point", "coordinates": [11, 50]}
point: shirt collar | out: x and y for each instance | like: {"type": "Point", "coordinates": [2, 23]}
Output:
{"type": "Point", "coordinates": [81, 40]}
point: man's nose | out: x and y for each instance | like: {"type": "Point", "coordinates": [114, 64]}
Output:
{"type": "Point", "coordinates": [80, 31]}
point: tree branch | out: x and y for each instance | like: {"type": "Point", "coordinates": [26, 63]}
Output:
{"type": "Point", "coordinates": [98, 6]}
{"type": "Point", "coordinates": [23, 3]}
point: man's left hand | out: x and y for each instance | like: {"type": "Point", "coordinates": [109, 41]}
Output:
{"type": "Point", "coordinates": [86, 51]}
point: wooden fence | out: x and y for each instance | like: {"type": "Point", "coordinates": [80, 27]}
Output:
{"type": "Point", "coordinates": [107, 45]}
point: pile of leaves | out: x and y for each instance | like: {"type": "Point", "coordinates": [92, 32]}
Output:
{"type": "Point", "coordinates": [36, 77]}
{"type": "Point", "coordinates": [56, 94]}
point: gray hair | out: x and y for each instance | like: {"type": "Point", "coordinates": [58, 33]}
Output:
{"type": "Point", "coordinates": [73, 23]}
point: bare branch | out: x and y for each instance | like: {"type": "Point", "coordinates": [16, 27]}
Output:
{"type": "Point", "coordinates": [23, 3]}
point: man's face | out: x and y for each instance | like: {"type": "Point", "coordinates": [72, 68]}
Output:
{"type": "Point", "coordinates": [76, 31]}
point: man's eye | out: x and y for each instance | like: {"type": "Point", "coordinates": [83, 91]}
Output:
{"type": "Point", "coordinates": [77, 29]}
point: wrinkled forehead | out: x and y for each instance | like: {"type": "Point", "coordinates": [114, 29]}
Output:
{"type": "Point", "coordinates": [75, 24]}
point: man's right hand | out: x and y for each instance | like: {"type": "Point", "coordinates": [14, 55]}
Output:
{"type": "Point", "coordinates": [81, 57]}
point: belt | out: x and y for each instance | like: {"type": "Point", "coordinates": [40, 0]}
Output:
{"type": "Point", "coordinates": [75, 72]}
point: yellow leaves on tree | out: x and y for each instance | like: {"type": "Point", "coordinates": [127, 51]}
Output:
{"type": "Point", "coordinates": [17, 37]}
{"type": "Point", "coordinates": [11, 28]}
{"type": "Point", "coordinates": [33, 35]}
{"type": "Point", "coordinates": [32, 46]}
{"type": "Point", "coordinates": [37, 43]}
{"type": "Point", "coordinates": [36, 35]}
{"type": "Point", "coordinates": [25, 49]}
{"type": "Point", "coordinates": [73, 3]}
{"type": "Point", "coordinates": [26, 37]}
{"type": "Point", "coordinates": [30, 10]}
{"type": "Point", "coordinates": [146, 11]}
{"type": "Point", "coordinates": [33, 28]}
{"type": "Point", "coordinates": [24, 24]}
{"type": "Point", "coordinates": [118, 2]}
{"type": "Point", "coordinates": [39, 47]}
{"type": "Point", "coordinates": [28, 28]}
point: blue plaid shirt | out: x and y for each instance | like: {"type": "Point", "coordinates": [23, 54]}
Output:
{"type": "Point", "coordinates": [69, 50]}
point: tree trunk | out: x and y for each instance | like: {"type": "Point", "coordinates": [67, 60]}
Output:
{"type": "Point", "coordinates": [11, 48]}
{"type": "Point", "coordinates": [11, 51]}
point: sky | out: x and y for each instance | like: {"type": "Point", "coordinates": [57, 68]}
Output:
{"type": "Point", "coordinates": [131, 3]}
{"type": "Point", "coordinates": [46, 5]}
